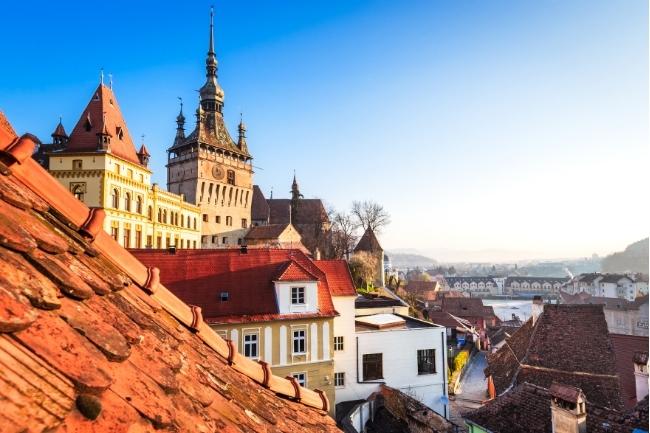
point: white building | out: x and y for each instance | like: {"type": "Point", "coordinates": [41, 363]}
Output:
{"type": "Point", "coordinates": [404, 353]}
{"type": "Point", "coordinates": [343, 296]}
{"type": "Point", "coordinates": [391, 348]}
{"type": "Point", "coordinates": [608, 286]}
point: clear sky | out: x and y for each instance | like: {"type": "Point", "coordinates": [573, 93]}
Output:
{"type": "Point", "coordinates": [488, 129]}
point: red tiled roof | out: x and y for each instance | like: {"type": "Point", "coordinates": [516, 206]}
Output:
{"type": "Point", "coordinates": [103, 113]}
{"type": "Point", "coordinates": [90, 341]}
{"type": "Point", "coordinates": [292, 271]}
{"type": "Point", "coordinates": [338, 277]}
{"type": "Point", "coordinates": [568, 344]}
{"type": "Point", "coordinates": [527, 409]}
{"type": "Point", "coordinates": [199, 276]}
{"type": "Point", "coordinates": [625, 347]}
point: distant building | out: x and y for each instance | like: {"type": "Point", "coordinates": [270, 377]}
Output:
{"type": "Point", "coordinates": [274, 236]}
{"type": "Point", "coordinates": [530, 286]}
{"type": "Point", "coordinates": [473, 311]}
{"type": "Point", "coordinates": [370, 244]}
{"type": "Point", "coordinates": [100, 166]}
{"type": "Point", "coordinates": [479, 286]}
{"type": "Point", "coordinates": [623, 316]}
{"type": "Point", "coordinates": [308, 216]}
{"type": "Point", "coordinates": [609, 285]}
{"type": "Point", "coordinates": [423, 290]}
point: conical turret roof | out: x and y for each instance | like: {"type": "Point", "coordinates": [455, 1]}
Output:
{"type": "Point", "coordinates": [101, 115]}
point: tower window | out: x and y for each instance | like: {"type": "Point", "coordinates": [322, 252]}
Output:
{"type": "Point", "coordinates": [231, 177]}
{"type": "Point", "coordinates": [77, 164]}
{"type": "Point", "coordinates": [115, 198]}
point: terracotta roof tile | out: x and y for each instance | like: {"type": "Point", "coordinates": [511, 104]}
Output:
{"type": "Point", "coordinates": [292, 271]}
{"type": "Point", "coordinates": [527, 409]}
{"type": "Point", "coordinates": [199, 276]}
{"type": "Point", "coordinates": [625, 347]}
{"type": "Point", "coordinates": [568, 344]}
{"type": "Point", "coordinates": [90, 342]}
{"type": "Point", "coordinates": [338, 277]}
{"type": "Point", "coordinates": [102, 114]}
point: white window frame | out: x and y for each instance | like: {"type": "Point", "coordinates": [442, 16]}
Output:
{"type": "Point", "coordinates": [301, 377]}
{"type": "Point", "coordinates": [299, 290]}
{"type": "Point", "coordinates": [294, 339]}
{"type": "Point", "coordinates": [253, 344]}
{"type": "Point", "coordinates": [339, 343]}
{"type": "Point", "coordinates": [339, 376]}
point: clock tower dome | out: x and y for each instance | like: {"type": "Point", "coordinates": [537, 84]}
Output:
{"type": "Point", "coordinates": [210, 168]}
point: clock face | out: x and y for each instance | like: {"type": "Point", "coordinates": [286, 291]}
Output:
{"type": "Point", "coordinates": [217, 172]}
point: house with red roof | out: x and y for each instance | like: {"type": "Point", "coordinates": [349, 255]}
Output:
{"type": "Point", "coordinates": [274, 305]}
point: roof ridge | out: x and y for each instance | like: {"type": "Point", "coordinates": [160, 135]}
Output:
{"type": "Point", "coordinates": [17, 162]}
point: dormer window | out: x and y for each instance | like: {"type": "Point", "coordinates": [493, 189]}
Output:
{"type": "Point", "coordinates": [297, 296]}
{"type": "Point", "coordinates": [224, 296]}
{"type": "Point", "coordinates": [119, 131]}
{"type": "Point", "coordinates": [87, 124]}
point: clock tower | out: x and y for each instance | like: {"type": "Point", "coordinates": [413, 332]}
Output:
{"type": "Point", "coordinates": [210, 168]}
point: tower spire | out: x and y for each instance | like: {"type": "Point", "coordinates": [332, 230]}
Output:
{"type": "Point", "coordinates": [211, 60]}
{"type": "Point", "coordinates": [211, 47]}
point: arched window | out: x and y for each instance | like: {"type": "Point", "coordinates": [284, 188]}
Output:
{"type": "Point", "coordinates": [194, 223]}
{"type": "Point", "coordinates": [159, 215]}
{"type": "Point", "coordinates": [115, 198]}
{"type": "Point", "coordinates": [164, 219]}
{"type": "Point", "coordinates": [150, 212]}
{"type": "Point", "coordinates": [78, 191]}
{"type": "Point", "coordinates": [127, 202]}
{"type": "Point", "coordinates": [138, 205]}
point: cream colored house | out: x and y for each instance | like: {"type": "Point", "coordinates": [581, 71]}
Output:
{"type": "Point", "coordinates": [273, 304]}
{"type": "Point", "coordinates": [100, 166]}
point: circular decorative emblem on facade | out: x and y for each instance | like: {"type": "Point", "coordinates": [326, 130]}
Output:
{"type": "Point", "coordinates": [217, 172]}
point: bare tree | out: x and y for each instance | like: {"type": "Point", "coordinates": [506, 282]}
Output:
{"type": "Point", "coordinates": [343, 234]}
{"type": "Point", "coordinates": [370, 215]}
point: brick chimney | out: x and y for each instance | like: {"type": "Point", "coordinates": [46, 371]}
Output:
{"type": "Point", "coordinates": [641, 374]}
{"type": "Point", "coordinates": [568, 409]}
{"type": "Point", "coordinates": [537, 308]}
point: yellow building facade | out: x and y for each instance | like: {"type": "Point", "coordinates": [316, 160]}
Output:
{"type": "Point", "coordinates": [98, 163]}
{"type": "Point", "coordinates": [313, 367]}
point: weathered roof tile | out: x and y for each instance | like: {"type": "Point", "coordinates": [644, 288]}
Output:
{"type": "Point", "coordinates": [96, 329]}
{"type": "Point", "coordinates": [18, 276]}
{"type": "Point", "coordinates": [53, 340]}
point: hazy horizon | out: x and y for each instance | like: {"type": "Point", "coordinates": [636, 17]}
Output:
{"type": "Point", "coordinates": [483, 127]}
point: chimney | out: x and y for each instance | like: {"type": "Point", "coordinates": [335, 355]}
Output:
{"type": "Point", "coordinates": [537, 308]}
{"type": "Point", "coordinates": [641, 374]}
{"type": "Point", "coordinates": [568, 409]}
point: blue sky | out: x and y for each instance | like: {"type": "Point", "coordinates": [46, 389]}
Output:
{"type": "Point", "coordinates": [489, 130]}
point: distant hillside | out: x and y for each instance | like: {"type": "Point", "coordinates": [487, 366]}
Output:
{"type": "Point", "coordinates": [406, 260]}
{"type": "Point", "coordinates": [633, 259]}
